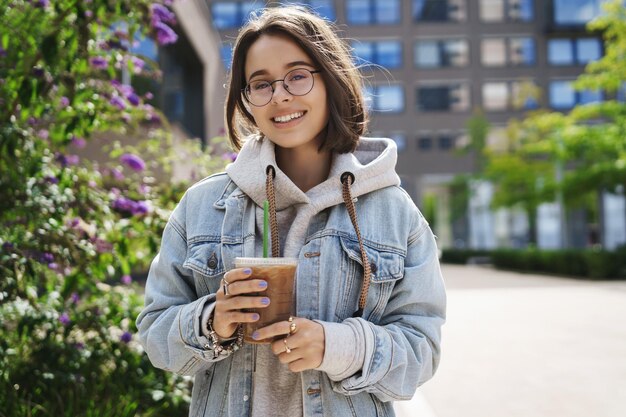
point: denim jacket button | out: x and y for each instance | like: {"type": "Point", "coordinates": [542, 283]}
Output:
{"type": "Point", "coordinates": [373, 267]}
{"type": "Point", "coordinates": [212, 263]}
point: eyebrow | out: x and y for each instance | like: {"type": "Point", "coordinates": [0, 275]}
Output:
{"type": "Point", "coordinates": [289, 65]}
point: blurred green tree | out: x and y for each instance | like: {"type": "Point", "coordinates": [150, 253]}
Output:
{"type": "Point", "coordinates": [73, 232]}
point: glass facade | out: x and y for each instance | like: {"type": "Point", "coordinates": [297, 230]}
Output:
{"type": "Point", "coordinates": [509, 95]}
{"type": "Point", "coordinates": [575, 12]}
{"type": "Point", "coordinates": [565, 51]}
{"type": "Point", "coordinates": [226, 53]}
{"type": "Point", "coordinates": [231, 15]}
{"type": "Point", "coordinates": [452, 97]}
{"type": "Point", "coordinates": [400, 139]}
{"type": "Point", "coordinates": [439, 10]}
{"type": "Point", "coordinates": [513, 51]}
{"type": "Point", "coordinates": [563, 96]}
{"type": "Point", "coordinates": [385, 53]}
{"type": "Point", "coordinates": [438, 53]}
{"type": "Point", "coordinates": [324, 8]}
{"type": "Point", "coordinates": [385, 98]}
{"type": "Point", "coordinates": [506, 10]}
{"type": "Point", "coordinates": [373, 12]}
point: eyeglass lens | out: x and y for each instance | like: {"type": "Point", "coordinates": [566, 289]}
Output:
{"type": "Point", "coordinates": [297, 82]}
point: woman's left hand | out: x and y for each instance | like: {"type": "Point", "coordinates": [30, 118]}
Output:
{"type": "Point", "coordinates": [302, 347]}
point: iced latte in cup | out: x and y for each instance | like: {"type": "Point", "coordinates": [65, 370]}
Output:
{"type": "Point", "coordinates": [279, 273]}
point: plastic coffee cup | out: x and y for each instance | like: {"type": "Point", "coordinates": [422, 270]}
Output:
{"type": "Point", "coordinates": [279, 273]}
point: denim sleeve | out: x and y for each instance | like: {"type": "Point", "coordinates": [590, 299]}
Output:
{"type": "Point", "coordinates": [169, 324]}
{"type": "Point", "coordinates": [402, 351]}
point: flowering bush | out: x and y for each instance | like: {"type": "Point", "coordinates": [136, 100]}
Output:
{"type": "Point", "coordinates": [73, 232]}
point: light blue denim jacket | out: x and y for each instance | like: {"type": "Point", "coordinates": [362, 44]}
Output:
{"type": "Point", "coordinates": [400, 329]}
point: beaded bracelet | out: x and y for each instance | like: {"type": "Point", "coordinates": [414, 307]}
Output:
{"type": "Point", "coordinates": [221, 347]}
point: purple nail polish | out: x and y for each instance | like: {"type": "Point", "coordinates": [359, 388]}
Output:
{"type": "Point", "coordinates": [263, 284]}
{"type": "Point", "coordinates": [247, 271]}
{"type": "Point", "coordinates": [255, 316]}
{"type": "Point", "coordinates": [255, 335]}
{"type": "Point", "coordinates": [265, 300]}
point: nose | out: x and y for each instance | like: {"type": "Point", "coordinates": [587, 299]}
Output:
{"type": "Point", "coordinates": [280, 93]}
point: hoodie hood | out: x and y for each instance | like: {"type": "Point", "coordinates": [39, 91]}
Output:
{"type": "Point", "coordinates": [372, 164]}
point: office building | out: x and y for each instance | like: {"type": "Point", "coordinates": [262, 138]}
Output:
{"type": "Point", "coordinates": [443, 60]}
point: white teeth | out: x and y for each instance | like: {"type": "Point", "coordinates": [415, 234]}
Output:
{"type": "Point", "coordinates": [288, 117]}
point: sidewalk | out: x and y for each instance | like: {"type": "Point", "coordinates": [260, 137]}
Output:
{"type": "Point", "coordinates": [518, 345]}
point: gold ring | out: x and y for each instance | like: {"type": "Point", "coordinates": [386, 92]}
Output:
{"type": "Point", "coordinates": [292, 328]}
{"type": "Point", "coordinates": [225, 286]}
{"type": "Point", "coordinates": [287, 348]}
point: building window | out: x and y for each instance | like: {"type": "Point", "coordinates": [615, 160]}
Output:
{"type": "Point", "coordinates": [509, 95]}
{"type": "Point", "coordinates": [400, 139]}
{"type": "Point", "coordinates": [506, 10]}
{"type": "Point", "coordinates": [373, 12]}
{"type": "Point", "coordinates": [513, 51]}
{"type": "Point", "coordinates": [438, 53]}
{"type": "Point", "coordinates": [576, 12]}
{"type": "Point", "coordinates": [439, 10]}
{"type": "Point", "coordinates": [453, 97]}
{"type": "Point", "coordinates": [563, 95]}
{"type": "Point", "coordinates": [323, 8]}
{"type": "Point", "coordinates": [230, 15]}
{"type": "Point", "coordinates": [226, 53]}
{"type": "Point", "coordinates": [445, 143]}
{"type": "Point", "coordinates": [385, 53]}
{"type": "Point", "coordinates": [385, 98]}
{"type": "Point", "coordinates": [574, 51]}
{"type": "Point", "coordinates": [424, 143]}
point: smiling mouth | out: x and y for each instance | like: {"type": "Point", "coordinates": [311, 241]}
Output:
{"type": "Point", "coordinates": [288, 117]}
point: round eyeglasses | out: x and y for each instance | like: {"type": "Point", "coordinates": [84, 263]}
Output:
{"type": "Point", "coordinates": [298, 82]}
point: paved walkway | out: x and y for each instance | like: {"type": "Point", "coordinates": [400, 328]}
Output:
{"type": "Point", "coordinates": [518, 345]}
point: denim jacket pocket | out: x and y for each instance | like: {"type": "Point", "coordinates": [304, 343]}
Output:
{"type": "Point", "coordinates": [387, 267]}
{"type": "Point", "coordinates": [205, 260]}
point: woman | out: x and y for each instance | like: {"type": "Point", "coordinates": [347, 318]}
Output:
{"type": "Point", "coordinates": [370, 300]}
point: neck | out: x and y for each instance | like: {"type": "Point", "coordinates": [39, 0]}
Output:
{"type": "Point", "coordinates": [305, 167]}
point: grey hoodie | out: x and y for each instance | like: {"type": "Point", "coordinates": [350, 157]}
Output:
{"type": "Point", "coordinates": [373, 163]}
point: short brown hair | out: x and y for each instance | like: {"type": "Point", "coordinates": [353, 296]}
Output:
{"type": "Point", "coordinates": [316, 36]}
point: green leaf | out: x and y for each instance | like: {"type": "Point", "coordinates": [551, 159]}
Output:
{"type": "Point", "coordinates": [50, 49]}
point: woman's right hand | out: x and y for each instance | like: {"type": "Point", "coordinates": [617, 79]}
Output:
{"type": "Point", "coordinates": [227, 314]}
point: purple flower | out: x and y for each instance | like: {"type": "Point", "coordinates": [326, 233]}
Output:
{"type": "Point", "coordinates": [229, 156]}
{"type": "Point", "coordinates": [72, 159]}
{"type": "Point", "coordinates": [126, 337]}
{"type": "Point", "coordinates": [134, 162]}
{"type": "Point", "coordinates": [79, 346]}
{"type": "Point", "coordinates": [64, 101]}
{"type": "Point", "coordinates": [118, 102]}
{"type": "Point", "coordinates": [128, 206]}
{"type": "Point", "coordinates": [102, 246]}
{"type": "Point", "coordinates": [75, 298]}
{"type": "Point", "coordinates": [99, 62]}
{"type": "Point", "coordinates": [126, 279]}
{"type": "Point", "coordinates": [133, 99]}
{"type": "Point", "coordinates": [7, 246]}
{"type": "Point", "coordinates": [138, 64]}
{"type": "Point", "coordinates": [149, 96]}
{"type": "Point", "coordinates": [165, 34]}
{"type": "Point", "coordinates": [47, 258]}
{"type": "Point", "coordinates": [51, 179]}
{"type": "Point", "coordinates": [161, 13]}
{"type": "Point", "coordinates": [42, 4]}
{"type": "Point", "coordinates": [53, 265]}
{"type": "Point", "coordinates": [43, 134]}
{"type": "Point", "coordinates": [65, 319]}
{"type": "Point", "coordinates": [88, 13]}
{"type": "Point", "coordinates": [3, 51]}
{"type": "Point", "coordinates": [38, 72]}
{"type": "Point", "coordinates": [78, 142]}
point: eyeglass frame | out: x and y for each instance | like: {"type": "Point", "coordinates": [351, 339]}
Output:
{"type": "Point", "coordinates": [246, 89]}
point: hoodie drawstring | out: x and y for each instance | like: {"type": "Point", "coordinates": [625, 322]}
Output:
{"type": "Point", "coordinates": [347, 179]}
{"type": "Point", "coordinates": [271, 197]}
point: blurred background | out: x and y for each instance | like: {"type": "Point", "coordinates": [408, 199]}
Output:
{"type": "Point", "coordinates": [510, 122]}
